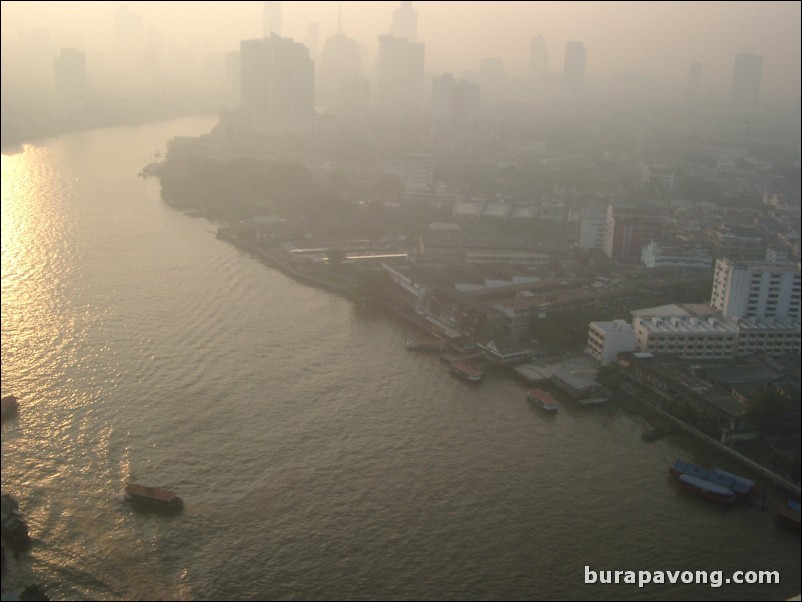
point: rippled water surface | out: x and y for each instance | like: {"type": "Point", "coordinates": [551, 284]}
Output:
{"type": "Point", "coordinates": [316, 456]}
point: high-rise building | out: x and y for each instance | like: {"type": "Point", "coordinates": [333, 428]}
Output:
{"type": "Point", "coordinates": [538, 59]}
{"type": "Point", "coordinates": [276, 77]}
{"type": "Point", "coordinates": [405, 22]}
{"type": "Point", "coordinates": [271, 19]}
{"type": "Point", "coordinates": [574, 69]}
{"type": "Point", "coordinates": [455, 104]}
{"type": "Point", "coordinates": [400, 73]}
{"type": "Point", "coordinates": [129, 37]}
{"type": "Point", "coordinates": [694, 80]}
{"type": "Point", "coordinates": [629, 229]}
{"type": "Point", "coordinates": [746, 78]}
{"type": "Point", "coordinates": [756, 289]}
{"type": "Point", "coordinates": [69, 71]}
{"type": "Point", "coordinates": [339, 61]}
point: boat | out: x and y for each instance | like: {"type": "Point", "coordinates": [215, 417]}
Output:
{"type": "Point", "coordinates": [430, 345]}
{"type": "Point", "coordinates": [14, 528]}
{"type": "Point", "coordinates": [741, 487]}
{"type": "Point", "coordinates": [790, 514]}
{"type": "Point", "coordinates": [543, 400]}
{"type": "Point", "coordinates": [152, 498]}
{"type": "Point", "coordinates": [9, 406]}
{"type": "Point", "coordinates": [466, 372]}
{"type": "Point", "coordinates": [706, 489]}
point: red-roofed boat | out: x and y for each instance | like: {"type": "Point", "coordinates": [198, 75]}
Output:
{"type": "Point", "coordinates": [153, 498]}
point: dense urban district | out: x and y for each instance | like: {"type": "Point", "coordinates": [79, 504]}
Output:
{"type": "Point", "coordinates": [658, 240]}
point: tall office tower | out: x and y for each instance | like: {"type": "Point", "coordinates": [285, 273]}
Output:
{"type": "Point", "coordinates": [538, 59]}
{"type": "Point", "coordinates": [339, 61]}
{"type": "Point", "coordinates": [353, 98]}
{"type": "Point", "coordinates": [628, 229]}
{"type": "Point", "coordinates": [69, 71]}
{"type": "Point", "coordinates": [405, 22]}
{"type": "Point", "coordinates": [493, 77]}
{"type": "Point", "coordinates": [756, 289]}
{"type": "Point", "coordinates": [276, 77]}
{"type": "Point", "coordinates": [455, 104]}
{"type": "Point", "coordinates": [271, 19]}
{"type": "Point", "coordinates": [400, 73]}
{"type": "Point", "coordinates": [574, 69]}
{"type": "Point", "coordinates": [694, 80]}
{"type": "Point", "coordinates": [312, 40]}
{"type": "Point", "coordinates": [746, 78]}
{"type": "Point", "coordinates": [129, 37]}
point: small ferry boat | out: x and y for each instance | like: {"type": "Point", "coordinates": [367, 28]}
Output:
{"type": "Point", "coordinates": [706, 489]}
{"type": "Point", "coordinates": [543, 400]}
{"type": "Point", "coordinates": [466, 372]}
{"type": "Point", "coordinates": [9, 406]}
{"type": "Point", "coordinates": [152, 498]}
{"type": "Point", "coordinates": [426, 345]}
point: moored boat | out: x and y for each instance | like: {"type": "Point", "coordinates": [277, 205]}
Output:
{"type": "Point", "coordinates": [153, 498]}
{"type": "Point", "coordinates": [466, 372]}
{"type": "Point", "coordinates": [706, 489]}
{"type": "Point", "coordinates": [741, 487]}
{"type": "Point", "coordinates": [543, 400]}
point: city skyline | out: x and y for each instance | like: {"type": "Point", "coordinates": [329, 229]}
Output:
{"type": "Point", "coordinates": [624, 38]}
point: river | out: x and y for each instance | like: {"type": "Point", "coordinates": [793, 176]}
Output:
{"type": "Point", "coordinates": [317, 457]}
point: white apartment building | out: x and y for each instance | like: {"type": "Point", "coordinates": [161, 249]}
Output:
{"type": "Point", "coordinates": [756, 289]}
{"type": "Point", "coordinates": [607, 339]}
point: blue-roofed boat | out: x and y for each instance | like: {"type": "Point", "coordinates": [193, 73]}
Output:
{"type": "Point", "coordinates": [706, 489]}
{"type": "Point", "coordinates": [741, 487]}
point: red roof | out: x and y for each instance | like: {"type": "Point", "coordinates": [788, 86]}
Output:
{"type": "Point", "coordinates": [150, 492]}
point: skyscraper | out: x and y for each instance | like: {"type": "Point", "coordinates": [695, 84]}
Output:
{"type": "Point", "coordinates": [271, 19]}
{"type": "Point", "coordinates": [400, 73]}
{"type": "Point", "coordinates": [538, 58]}
{"type": "Point", "coordinates": [276, 77]}
{"type": "Point", "coordinates": [69, 71]}
{"type": "Point", "coordinates": [405, 22]}
{"type": "Point", "coordinates": [339, 61]}
{"type": "Point", "coordinates": [746, 78]}
{"type": "Point", "coordinates": [574, 69]}
{"type": "Point", "coordinates": [455, 104]}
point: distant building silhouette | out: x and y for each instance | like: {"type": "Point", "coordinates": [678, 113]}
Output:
{"type": "Point", "coordinates": [271, 19]}
{"type": "Point", "coordinates": [400, 73]}
{"type": "Point", "coordinates": [455, 104]}
{"type": "Point", "coordinates": [538, 59]}
{"type": "Point", "coordinates": [339, 61]}
{"type": "Point", "coordinates": [574, 70]}
{"type": "Point", "coordinates": [746, 78]}
{"type": "Point", "coordinates": [405, 22]}
{"type": "Point", "coordinates": [69, 73]}
{"type": "Point", "coordinates": [694, 80]}
{"type": "Point", "coordinates": [276, 77]}
{"type": "Point", "coordinates": [129, 36]}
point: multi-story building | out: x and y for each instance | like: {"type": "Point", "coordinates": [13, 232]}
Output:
{"type": "Point", "coordinates": [276, 77]}
{"type": "Point", "coordinates": [660, 255]}
{"type": "Point", "coordinates": [607, 339]}
{"type": "Point", "coordinates": [574, 70]}
{"type": "Point", "coordinates": [628, 229]}
{"type": "Point", "coordinates": [400, 74]}
{"type": "Point", "coordinates": [592, 226]}
{"type": "Point", "coordinates": [746, 78]}
{"type": "Point", "coordinates": [340, 61]}
{"type": "Point", "coordinates": [756, 290]}
{"type": "Point", "coordinates": [455, 104]}
{"type": "Point", "coordinates": [69, 71]}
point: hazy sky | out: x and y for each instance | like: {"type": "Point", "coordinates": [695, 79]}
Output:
{"type": "Point", "coordinates": [658, 38]}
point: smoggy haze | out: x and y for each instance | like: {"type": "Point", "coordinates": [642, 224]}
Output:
{"type": "Point", "coordinates": [656, 39]}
